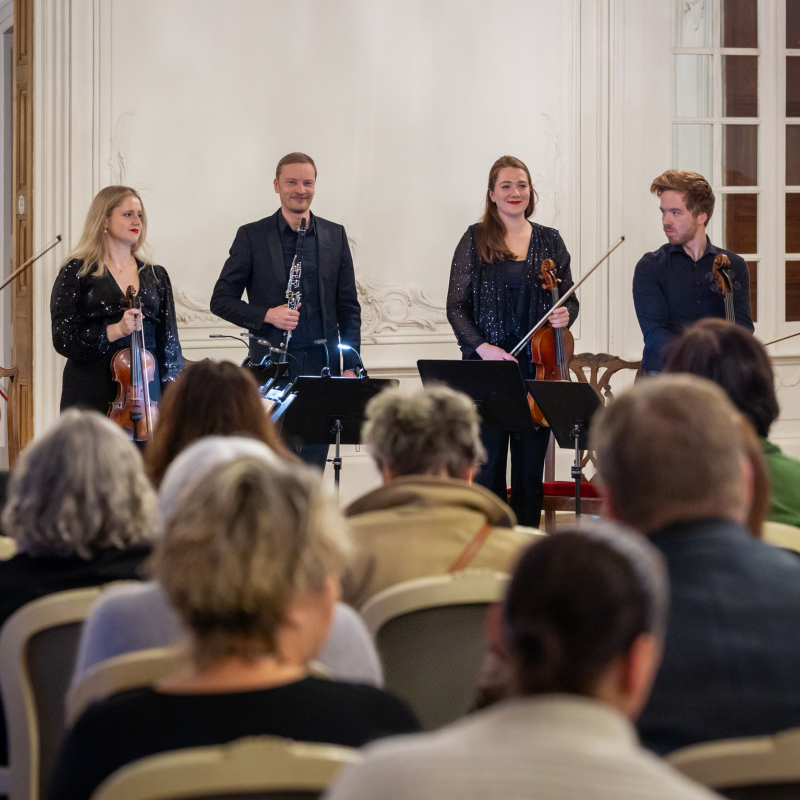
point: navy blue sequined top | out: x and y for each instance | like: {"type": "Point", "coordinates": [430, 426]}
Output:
{"type": "Point", "coordinates": [483, 307]}
{"type": "Point", "coordinates": [81, 309]}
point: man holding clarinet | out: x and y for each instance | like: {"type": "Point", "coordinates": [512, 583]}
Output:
{"type": "Point", "coordinates": [259, 262]}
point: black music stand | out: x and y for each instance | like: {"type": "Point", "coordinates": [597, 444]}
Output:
{"type": "Point", "coordinates": [327, 410]}
{"type": "Point", "coordinates": [568, 408]}
{"type": "Point", "coordinates": [496, 388]}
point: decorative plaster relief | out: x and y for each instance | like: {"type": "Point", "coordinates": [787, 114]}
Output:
{"type": "Point", "coordinates": [384, 308]}
{"type": "Point", "coordinates": [120, 141]}
{"type": "Point", "coordinates": [191, 308]}
{"type": "Point", "coordinates": [787, 381]}
{"type": "Point", "coordinates": [548, 184]}
{"type": "Point", "coordinates": [389, 308]}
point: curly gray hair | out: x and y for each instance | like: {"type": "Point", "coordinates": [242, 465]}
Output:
{"type": "Point", "coordinates": [79, 489]}
{"type": "Point", "coordinates": [433, 431]}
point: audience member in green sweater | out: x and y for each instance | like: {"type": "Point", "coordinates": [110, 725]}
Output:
{"type": "Point", "coordinates": [731, 357]}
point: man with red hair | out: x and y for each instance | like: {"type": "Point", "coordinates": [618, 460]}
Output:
{"type": "Point", "coordinates": [673, 286]}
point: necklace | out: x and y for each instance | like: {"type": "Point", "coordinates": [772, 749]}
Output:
{"type": "Point", "coordinates": [121, 269]}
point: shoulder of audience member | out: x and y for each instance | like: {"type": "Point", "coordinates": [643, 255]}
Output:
{"type": "Point", "coordinates": [368, 699]}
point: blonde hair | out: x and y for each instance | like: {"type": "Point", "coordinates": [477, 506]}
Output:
{"type": "Point", "coordinates": [91, 249]}
{"type": "Point", "coordinates": [243, 542]}
{"type": "Point", "coordinates": [670, 448]}
{"type": "Point", "coordinates": [432, 431]}
{"type": "Point", "coordinates": [80, 489]}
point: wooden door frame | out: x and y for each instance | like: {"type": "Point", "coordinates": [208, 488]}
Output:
{"type": "Point", "coordinates": [22, 181]}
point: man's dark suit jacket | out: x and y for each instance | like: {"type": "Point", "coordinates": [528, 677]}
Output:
{"type": "Point", "coordinates": [731, 662]}
{"type": "Point", "coordinates": [255, 264]}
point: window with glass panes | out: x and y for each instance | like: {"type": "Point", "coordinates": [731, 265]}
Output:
{"type": "Point", "coordinates": [716, 124]}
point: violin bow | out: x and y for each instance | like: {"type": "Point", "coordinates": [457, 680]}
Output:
{"type": "Point", "coordinates": [782, 339]}
{"type": "Point", "coordinates": [30, 261]}
{"type": "Point", "coordinates": [564, 297]}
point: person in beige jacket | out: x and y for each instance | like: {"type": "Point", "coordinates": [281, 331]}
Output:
{"type": "Point", "coordinates": [428, 518]}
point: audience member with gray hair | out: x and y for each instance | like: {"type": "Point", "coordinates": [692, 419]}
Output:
{"type": "Point", "coordinates": [582, 627]}
{"type": "Point", "coordinates": [250, 561]}
{"type": "Point", "coordinates": [80, 510]}
{"type": "Point", "coordinates": [138, 617]}
{"type": "Point", "coordinates": [428, 518]}
{"type": "Point", "coordinates": [673, 462]}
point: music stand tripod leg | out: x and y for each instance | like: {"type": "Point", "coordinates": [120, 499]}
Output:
{"type": "Point", "coordinates": [577, 473]}
{"type": "Point", "coordinates": [337, 460]}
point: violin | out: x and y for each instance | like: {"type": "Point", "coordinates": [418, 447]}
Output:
{"type": "Point", "coordinates": [722, 278]}
{"type": "Point", "coordinates": [551, 348]}
{"type": "Point", "coordinates": [132, 369]}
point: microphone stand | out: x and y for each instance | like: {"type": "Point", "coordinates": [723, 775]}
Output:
{"type": "Point", "coordinates": [564, 297]}
{"type": "Point", "coordinates": [326, 370]}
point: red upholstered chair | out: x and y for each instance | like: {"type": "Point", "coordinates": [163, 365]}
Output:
{"type": "Point", "coordinates": [12, 412]}
{"type": "Point", "coordinates": [596, 370]}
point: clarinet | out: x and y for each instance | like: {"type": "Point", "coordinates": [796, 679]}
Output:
{"type": "Point", "coordinates": [293, 294]}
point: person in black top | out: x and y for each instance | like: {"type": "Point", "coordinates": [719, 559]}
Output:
{"type": "Point", "coordinates": [259, 262]}
{"type": "Point", "coordinates": [81, 511]}
{"type": "Point", "coordinates": [495, 297]}
{"type": "Point", "coordinates": [89, 317]}
{"type": "Point", "coordinates": [673, 286]}
{"type": "Point", "coordinates": [249, 559]}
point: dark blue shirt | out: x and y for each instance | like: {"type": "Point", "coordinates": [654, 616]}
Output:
{"type": "Point", "coordinates": [309, 327]}
{"type": "Point", "coordinates": [671, 291]}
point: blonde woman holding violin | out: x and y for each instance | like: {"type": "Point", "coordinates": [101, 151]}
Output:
{"type": "Point", "coordinates": [87, 307]}
{"type": "Point", "coordinates": [495, 298]}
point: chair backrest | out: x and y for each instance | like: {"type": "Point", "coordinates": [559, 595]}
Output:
{"type": "Point", "coordinates": [118, 674]}
{"type": "Point", "coordinates": [38, 648]}
{"type": "Point", "coordinates": [429, 633]}
{"type": "Point", "coordinates": [255, 767]}
{"type": "Point", "coordinates": [781, 535]}
{"type": "Point", "coordinates": [132, 671]}
{"type": "Point", "coordinates": [14, 442]}
{"type": "Point", "coordinates": [755, 768]}
{"type": "Point", "coordinates": [596, 369]}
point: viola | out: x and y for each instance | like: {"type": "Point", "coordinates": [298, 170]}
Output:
{"type": "Point", "coordinates": [551, 348]}
{"type": "Point", "coordinates": [724, 283]}
{"type": "Point", "coordinates": [132, 369]}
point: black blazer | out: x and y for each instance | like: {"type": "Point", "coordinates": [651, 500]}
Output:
{"type": "Point", "coordinates": [255, 264]}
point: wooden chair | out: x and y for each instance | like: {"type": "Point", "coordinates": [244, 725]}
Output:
{"type": "Point", "coordinates": [38, 647]}
{"type": "Point", "coordinates": [14, 443]}
{"type": "Point", "coordinates": [781, 535]}
{"type": "Point", "coordinates": [256, 767]}
{"type": "Point", "coordinates": [597, 370]}
{"type": "Point", "coordinates": [429, 633]}
{"type": "Point", "coordinates": [753, 768]}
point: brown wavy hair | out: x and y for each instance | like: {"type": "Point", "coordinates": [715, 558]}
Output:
{"type": "Point", "coordinates": [697, 193]}
{"type": "Point", "coordinates": [208, 398]}
{"type": "Point", "coordinates": [492, 230]}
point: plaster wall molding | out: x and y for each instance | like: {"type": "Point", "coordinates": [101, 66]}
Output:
{"type": "Point", "coordinates": [385, 309]}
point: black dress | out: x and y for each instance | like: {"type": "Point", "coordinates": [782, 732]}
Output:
{"type": "Point", "coordinates": [81, 309]}
{"type": "Point", "coordinates": [499, 303]}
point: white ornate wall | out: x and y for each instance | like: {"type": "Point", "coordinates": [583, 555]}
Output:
{"type": "Point", "coordinates": [404, 106]}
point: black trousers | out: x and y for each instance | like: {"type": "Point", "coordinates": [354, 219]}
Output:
{"type": "Point", "coordinates": [309, 361]}
{"type": "Point", "coordinates": [528, 451]}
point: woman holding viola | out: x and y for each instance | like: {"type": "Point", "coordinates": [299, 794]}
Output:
{"type": "Point", "coordinates": [495, 297]}
{"type": "Point", "coordinates": [90, 319]}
